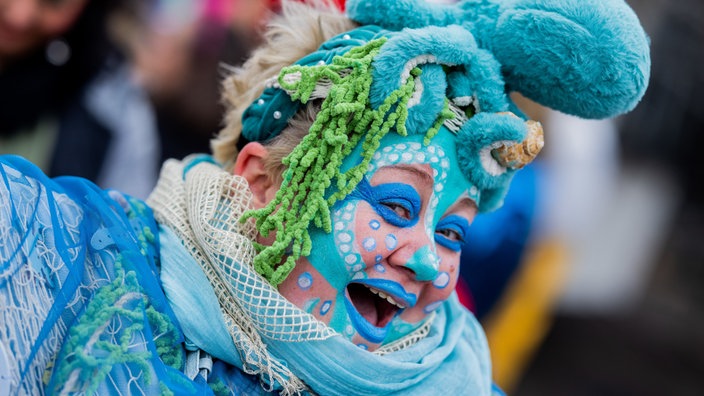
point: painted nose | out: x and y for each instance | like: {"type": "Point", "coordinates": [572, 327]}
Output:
{"type": "Point", "coordinates": [416, 252]}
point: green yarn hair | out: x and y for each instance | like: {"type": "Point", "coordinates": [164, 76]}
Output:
{"type": "Point", "coordinates": [345, 119]}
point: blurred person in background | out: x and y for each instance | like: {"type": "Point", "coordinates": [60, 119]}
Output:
{"type": "Point", "coordinates": [67, 100]}
{"type": "Point", "coordinates": [180, 49]}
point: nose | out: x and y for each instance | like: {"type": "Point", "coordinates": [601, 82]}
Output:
{"type": "Point", "coordinates": [21, 14]}
{"type": "Point", "coordinates": [415, 251]}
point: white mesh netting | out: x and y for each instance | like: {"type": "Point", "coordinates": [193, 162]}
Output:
{"type": "Point", "coordinates": [203, 207]}
{"type": "Point", "coordinates": [204, 210]}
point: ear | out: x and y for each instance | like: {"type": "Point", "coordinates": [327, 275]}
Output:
{"type": "Point", "coordinates": [250, 165]}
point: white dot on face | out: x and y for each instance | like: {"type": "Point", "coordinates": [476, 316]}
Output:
{"type": "Point", "coordinates": [380, 268]}
{"type": "Point", "coordinates": [369, 244]}
{"type": "Point", "coordinates": [407, 157]}
{"type": "Point", "coordinates": [376, 156]}
{"type": "Point", "coordinates": [351, 259]}
{"type": "Point", "coordinates": [325, 307]}
{"type": "Point", "coordinates": [400, 147]}
{"type": "Point", "coordinates": [359, 275]}
{"type": "Point", "coordinates": [347, 216]}
{"type": "Point", "coordinates": [393, 157]}
{"type": "Point", "coordinates": [420, 157]}
{"type": "Point", "coordinates": [374, 224]}
{"type": "Point", "coordinates": [344, 237]}
{"type": "Point", "coordinates": [473, 190]}
{"type": "Point", "coordinates": [442, 280]}
{"type": "Point", "coordinates": [391, 242]}
{"type": "Point", "coordinates": [415, 146]}
{"type": "Point", "coordinates": [345, 248]}
{"type": "Point", "coordinates": [305, 280]}
{"type": "Point", "coordinates": [339, 226]}
{"type": "Point", "coordinates": [432, 307]}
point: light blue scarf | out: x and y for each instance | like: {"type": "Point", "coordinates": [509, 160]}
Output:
{"type": "Point", "coordinates": [453, 359]}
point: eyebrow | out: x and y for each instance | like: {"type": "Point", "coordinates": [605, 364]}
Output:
{"type": "Point", "coordinates": [420, 175]}
{"type": "Point", "coordinates": [468, 203]}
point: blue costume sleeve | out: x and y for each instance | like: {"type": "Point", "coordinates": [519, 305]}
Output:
{"type": "Point", "coordinates": [81, 302]}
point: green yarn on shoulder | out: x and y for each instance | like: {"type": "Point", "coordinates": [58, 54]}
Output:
{"type": "Point", "coordinates": [346, 118]}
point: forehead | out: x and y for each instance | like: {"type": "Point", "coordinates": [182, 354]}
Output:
{"type": "Point", "coordinates": [439, 157]}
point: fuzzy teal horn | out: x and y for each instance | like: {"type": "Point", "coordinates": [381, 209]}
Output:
{"type": "Point", "coordinates": [589, 58]}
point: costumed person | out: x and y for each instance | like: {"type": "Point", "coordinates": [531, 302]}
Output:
{"type": "Point", "coordinates": [317, 251]}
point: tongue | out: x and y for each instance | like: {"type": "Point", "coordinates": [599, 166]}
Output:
{"type": "Point", "coordinates": [365, 302]}
{"type": "Point", "coordinates": [374, 309]}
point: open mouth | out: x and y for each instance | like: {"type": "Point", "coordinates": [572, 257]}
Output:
{"type": "Point", "coordinates": [375, 306]}
{"type": "Point", "coordinates": [373, 303]}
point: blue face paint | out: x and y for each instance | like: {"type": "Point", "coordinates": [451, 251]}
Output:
{"type": "Point", "coordinates": [361, 234]}
{"type": "Point", "coordinates": [325, 307]}
{"type": "Point", "coordinates": [305, 281]}
{"type": "Point", "coordinates": [310, 305]}
{"type": "Point", "coordinates": [451, 232]}
{"type": "Point", "coordinates": [393, 288]}
{"type": "Point", "coordinates": [391, 242]}
{"type": "Point", "coordinates": [397, 203]}
{"type": "Point", "coordinates": [364, 328]}
{"type": "Point", "coordinates": [432, 307]}
{"type": "Point", "coordinates": [442, 280]}
{"type": "Point", "coordinates": [424, 263]}
{"type": "Point", "coordinates": [374, 225]}
{"type": "Point", "coordinates": [367, 330]}
{"type": "Point", "coordinates": [369, 244]}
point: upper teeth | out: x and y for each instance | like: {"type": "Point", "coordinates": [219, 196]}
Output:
{"type": "Point", "coordinates": [386, 296]}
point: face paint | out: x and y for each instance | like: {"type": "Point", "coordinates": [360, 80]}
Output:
{"type": "Point", "coordinates": [393, 254]}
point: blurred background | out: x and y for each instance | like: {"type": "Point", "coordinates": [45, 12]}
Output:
{"type": "Point", "coordinates": [590, 280]}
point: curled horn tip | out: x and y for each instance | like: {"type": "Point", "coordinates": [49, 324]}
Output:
{"type": "Point", "coordinates": [520, 154]}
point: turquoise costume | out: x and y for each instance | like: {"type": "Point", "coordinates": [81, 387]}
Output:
{"type": "Point", "coordinates": [82, 290]}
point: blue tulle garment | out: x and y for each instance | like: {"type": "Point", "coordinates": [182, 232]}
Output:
{"type": "Point", "coordinates": [81, 302]}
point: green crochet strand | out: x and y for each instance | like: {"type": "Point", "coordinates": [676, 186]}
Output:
{"type": "Point", "coordinates": [346, 117]}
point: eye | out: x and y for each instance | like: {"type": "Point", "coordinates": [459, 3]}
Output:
{"type": "Point", "coordinates": [399, 209]}
{"type": "Point", "coordinates": [451, 232]}
{"type": "Point", "coordinates": [398, 204]}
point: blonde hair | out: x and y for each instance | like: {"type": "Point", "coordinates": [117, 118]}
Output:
{"type": "Point", "coordinates": [297, 31]}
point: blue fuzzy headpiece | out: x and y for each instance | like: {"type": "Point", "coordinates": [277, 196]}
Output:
{"type": "Point", "coordinates": [457, 64]}
{"type": "Point", "coordinates": [588, 58]}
